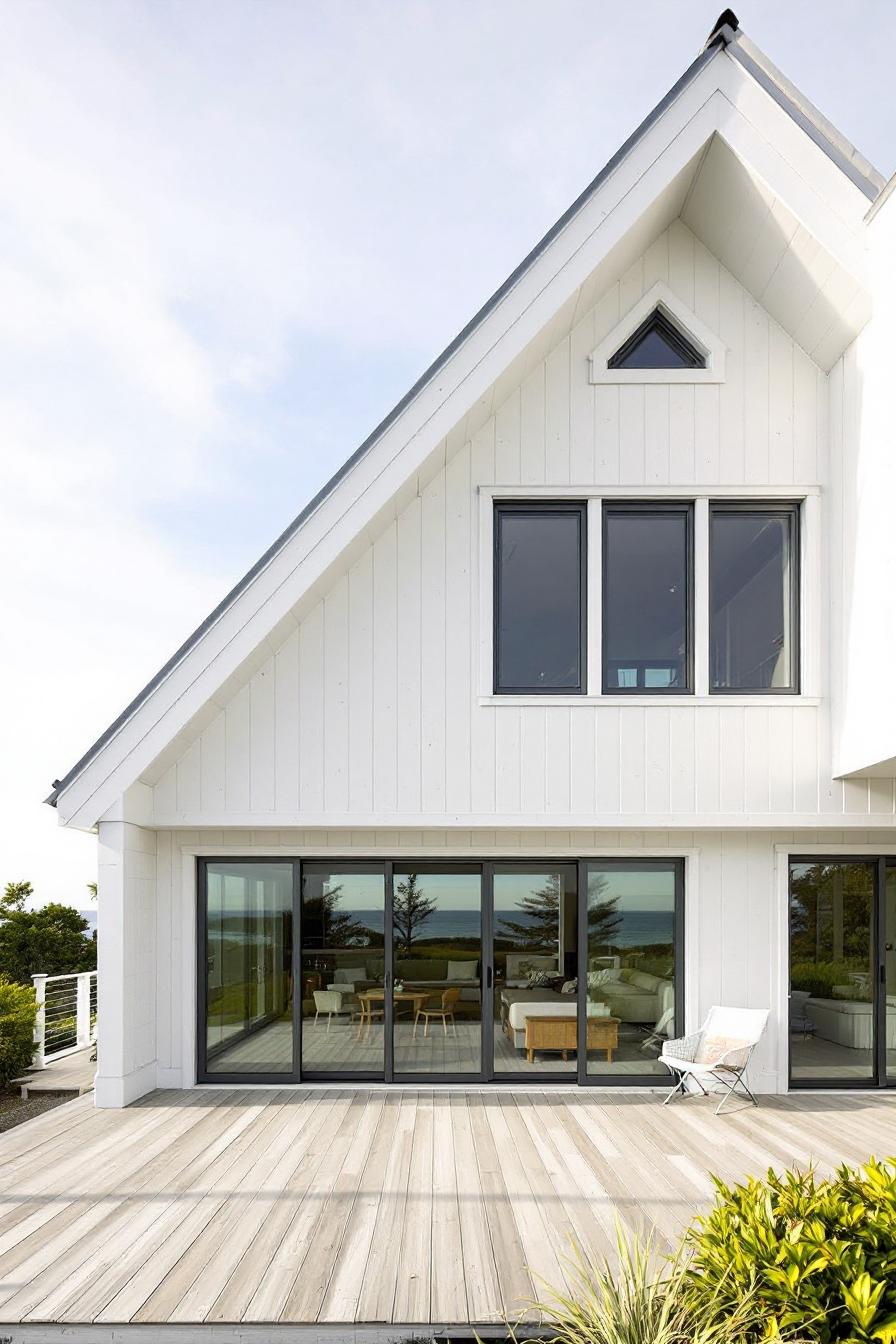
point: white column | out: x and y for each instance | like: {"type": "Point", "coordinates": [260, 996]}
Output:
{"type": "Point", "coordinates": [126, 963]}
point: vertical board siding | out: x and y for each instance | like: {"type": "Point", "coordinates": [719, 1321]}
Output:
{"type": "Point", "coordinates": [370, 707]}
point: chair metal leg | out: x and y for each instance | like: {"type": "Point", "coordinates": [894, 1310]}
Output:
{"type": "Point", "coordinates": [679, 1087]}
{"type": "Point", "coordinates": [730, 1083]}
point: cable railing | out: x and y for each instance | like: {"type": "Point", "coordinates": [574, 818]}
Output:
{"type": "Point", "coordinates": [66, 1015]}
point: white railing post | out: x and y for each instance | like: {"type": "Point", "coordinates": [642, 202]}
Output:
{"type": "Point", "coordinates": [82, 1010]}
{"type": "Point", "coordinates": [94, 1007]}
{"type": "Point", "coordinates": [40, 995]}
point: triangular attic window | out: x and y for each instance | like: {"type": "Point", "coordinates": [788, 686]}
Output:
{"type": "Point", "coordinates": [657, 344]}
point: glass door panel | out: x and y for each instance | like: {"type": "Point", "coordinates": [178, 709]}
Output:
{"type": "Point", "coordinates": [832, 971]}
{"type": "Point", "coordinates": [889, 976]}
{"type": "Point", "coordinates": [343, 924]}
{"type": "Point", "coordinates": [534, 1004]}
{"type": "Point", "coordinates": [633, 961]}
{"type": "Point", "coordinates": [248, 968]}
{"type": "Point", "coordinates": [437, 975]}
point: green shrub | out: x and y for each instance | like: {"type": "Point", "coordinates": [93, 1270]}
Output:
{"type": "Point", "coordinates": [642, 1301]}
{"type": "Point", "coordinates": [816, 1257]}
{"type": "Point", "coordinates": [820, 977]}
{"type": "Point", "coordinates": [17, 1013]}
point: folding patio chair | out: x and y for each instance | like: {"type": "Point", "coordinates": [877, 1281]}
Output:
{"type": "Point", "coordinates": [716, 1056]}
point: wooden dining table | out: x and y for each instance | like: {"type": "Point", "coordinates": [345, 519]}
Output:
{"type": "Point", "coordinates": [368, 997]}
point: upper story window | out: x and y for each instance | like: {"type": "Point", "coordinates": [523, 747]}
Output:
{"type": "Point", "coordinates": [647, 598]}
{"type": "Point", "coordinates": [754, 597]}
{"type": "Point", "coordinates": [657, 344]}
{"type": "Point", "coordinates": [539, 598]}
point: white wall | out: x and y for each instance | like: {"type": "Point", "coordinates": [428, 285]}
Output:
{"type": "Point", "coordinates": [369, 711]}
{"type": "Point", "coordinates": [863, 495]}
{"type": "Point", "coordinates": [128, 905]}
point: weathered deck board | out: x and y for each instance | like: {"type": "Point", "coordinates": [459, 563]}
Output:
{"type": "Point", "coordinates": [421, 1206]}
{"type": "Point", "coordinates": [72, 1073]}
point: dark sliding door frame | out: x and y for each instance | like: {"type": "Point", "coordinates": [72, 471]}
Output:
{"type": "Point", "coordinates": [608, 1079]}
{"type": "Point", "coordinates": [878, 1079]}
{"type": "Point", "coordinates": [203, 1075]}
{"type": "Point", "coordinates": [353, 1075]}
{"type": "Point", "coordinates": [487, 1072]}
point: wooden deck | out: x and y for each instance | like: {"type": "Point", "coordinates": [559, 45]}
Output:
{"type": "Point", "coordinates": [72, 1073]}
{"type": "Point", "coordinates": [370, 1206]}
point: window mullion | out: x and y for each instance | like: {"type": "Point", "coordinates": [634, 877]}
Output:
{"type": "Point", "coordinates": [594, 661]}
{"type": "Point", "coordinates": [701, 597]}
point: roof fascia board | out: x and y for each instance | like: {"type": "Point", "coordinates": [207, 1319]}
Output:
{"type": "Point", "coordinates": [380, 473]}
{"type": "Point", "coordinates": [735, 48]}
{"type": "Point", "coordinates": [794, 169]}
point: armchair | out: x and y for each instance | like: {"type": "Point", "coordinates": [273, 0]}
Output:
{"type": "Point", "coordinates": [717, 1054]}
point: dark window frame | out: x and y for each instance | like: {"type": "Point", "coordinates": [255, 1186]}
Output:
{"type": "Point", "coordinates": [658, 320]}
{"type": "Point", "coordinates": [388, 1076]}
{"type": "Point", "coordinates": [791, 508]}
{"type": "Point", "coordinates": [541, 508]}
{"type": "Point", "coordinates": [662, 508]}
{"type": "Point", "coordinates": [878, 1080]}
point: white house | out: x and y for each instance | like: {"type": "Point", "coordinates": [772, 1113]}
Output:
{"type": "Point", "coordinates": [564, 711]}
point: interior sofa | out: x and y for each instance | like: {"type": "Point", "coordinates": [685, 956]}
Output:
{"type": "Point", "coordinates": [848, 1022]}
{"type": "Point", "coordinates": [632, 995]}
{"type": "Point", "coordinates": [354, 972]}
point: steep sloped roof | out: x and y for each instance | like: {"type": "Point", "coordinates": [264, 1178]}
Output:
{"type": "Point", "coordinates": [726, 36]}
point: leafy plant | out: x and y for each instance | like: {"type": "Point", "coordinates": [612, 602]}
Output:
{"type": "Point", "coordinates": [640, 1301]}
{"type": "Point", "coordinates": [816, 1257]}
{"type": "Point", "coordinates": [18, 1011]}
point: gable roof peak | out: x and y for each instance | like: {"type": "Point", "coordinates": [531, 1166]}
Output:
{"type": "Point", "coordinates": [723, 30]}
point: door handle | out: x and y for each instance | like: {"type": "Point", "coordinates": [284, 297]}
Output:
{"type": "Point", "coordinates": [488, 977]}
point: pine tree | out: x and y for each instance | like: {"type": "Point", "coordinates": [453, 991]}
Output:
{"type": "Point", "coordinates": [411, 908]}
{"type": "Point", "coordinates": [541, 910]}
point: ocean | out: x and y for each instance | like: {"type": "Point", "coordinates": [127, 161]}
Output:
{"type": "Point", "coordinates": [638, 928]}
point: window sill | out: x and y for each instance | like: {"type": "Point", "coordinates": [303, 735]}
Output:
{"type": "Point", "coordinates": [769, 700]}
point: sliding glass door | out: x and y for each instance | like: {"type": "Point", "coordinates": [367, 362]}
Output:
{"type": "Point", "coordinates": [842, 991]}
{"type": "Point", "coordinates": [534, 1018]}
{"type": "Point", "coordinates": [342, 918]}
{"type": "Point", "coordinates": [245, 970]}
{"type": "Point", "coordinates": [503, 970]}
{"type": "Point", "coordinates": [889, 973]}
{"type": "Point", "coordinates": [633, 998]}
{"type": "Point", "coordinates": [437, 973]}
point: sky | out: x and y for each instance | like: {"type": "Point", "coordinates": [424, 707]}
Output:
{"type": "Point", "coordinates": [232, 233]}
